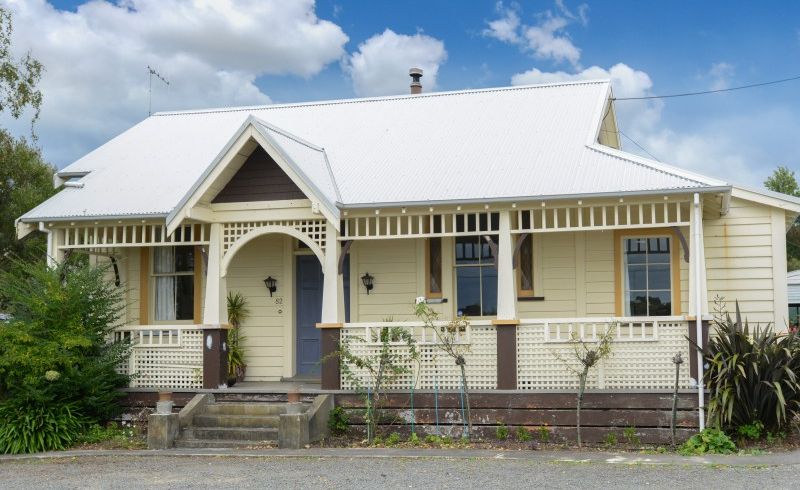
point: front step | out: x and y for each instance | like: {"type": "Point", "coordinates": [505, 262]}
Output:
{"type": "Point", "coordinates": [212, 443]}
{"type": "Point", "coordinates": [252, 409]}
{"type": "Point", "coordinates": [253, 421]}
{"type": "Point", "coordinates": [231, 433]}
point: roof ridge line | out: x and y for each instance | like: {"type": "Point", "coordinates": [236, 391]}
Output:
{"type": "Point", "coordinates": [289, 135]}
{"type": "Point", "coordinates": [385, 98]}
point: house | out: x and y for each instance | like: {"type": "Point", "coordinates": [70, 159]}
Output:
{"type": "Point", "coordinates": [793, 279]}
{"type": "Point", "coordinates": [513, 206]}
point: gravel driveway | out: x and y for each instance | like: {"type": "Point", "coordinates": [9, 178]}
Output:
{"type": "Point", "coordinates": [165, 471]}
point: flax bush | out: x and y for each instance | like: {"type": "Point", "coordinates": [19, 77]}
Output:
{"type": "Point", "coordinates": [753, 375]}
{"type": "Point", "coordinates": [57, 367]}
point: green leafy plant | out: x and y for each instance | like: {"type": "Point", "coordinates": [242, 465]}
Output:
{"type": "Point", "coordinates": [709, 441]}
{"type": "Point", "coordinates": [752, 375]}
{"type": "Point", "coordinates": [631, 437]}
{"type": "Point", "coordinates": [776, 437]}
{"type": "Point", "coordinates": [433, 439]}
{"type": "Point", "coordinates": [30, 428]}
{"type": "Point", "coordinates": [413, 439]}
{"type": "Point", "coordinates": [126, 435]}
{"type": "Point", "coordinates": [610, 440]}
{"type": "Point", "coordinates": [447, 441]}
{"type": "Point", "coordinates": [237, 313]}
{"type": "Point", "coordinates": [523, 434]}
{"type": "Point", "coordinates": [752, 431]}
{"type": "Point", "coordinates": [544, 433]}
{"type": "Point", "coordinates": [338, 421]}
{"type": "Point", "coordinates": [501, 432]}
{"type": "Point", "coordinates": [393, 439]}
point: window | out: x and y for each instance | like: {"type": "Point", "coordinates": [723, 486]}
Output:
{"type": "Point", "coordinates": [794, 315]}
{"type": "Point", "coordinates": [525, 268]}
{"type": "Point", "coordinates": [476, 276]}
{"type": "Point", "coordinates": [647, 276]}
{"type": "Point", "coordinates": [434, 268]}
{"type": "Point", "coordinates": [173, 272]}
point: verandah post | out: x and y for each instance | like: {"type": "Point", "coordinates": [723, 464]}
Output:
{"type": "Point", "coordinates": [507, 321]}
{"type": "Point", "coordinates": [332, 310]}
{"type": "Point", "coordinates": [215, 316]}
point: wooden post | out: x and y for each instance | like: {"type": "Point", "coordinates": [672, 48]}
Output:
{"type": "Point", "coordinates": [506, 288]}
{"type": "Point", "coordinates": [506, 356]}
{"type": "Point", "coordinates": [331, 376]}
{"type": "Point", "coordinates": [215, 311]}
{"type": "Point", "coordinates": [215, 356]}
{"type": "Point", "coordinates": [332, 286]}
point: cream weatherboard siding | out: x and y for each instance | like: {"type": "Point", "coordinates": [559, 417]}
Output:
{"type": "Point", "coordinates": [396, 267]}
{"type": "Point", "coordinates": [265, 328]}
{"type": "Point", "coordinates": [740, 259]}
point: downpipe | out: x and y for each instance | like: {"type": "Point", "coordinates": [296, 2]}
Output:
{"type": "Point", "coordinates": [698, 314]}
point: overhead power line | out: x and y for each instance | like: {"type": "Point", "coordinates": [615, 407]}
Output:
{"type": "Point", "coordinates": [704, 92]}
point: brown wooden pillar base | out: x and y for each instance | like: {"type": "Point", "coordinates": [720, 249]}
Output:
{"type": "Point", "coordinates": [215, 356]}
{"type": "Point", "coordinates": [330, 334]}
{"type": "Point", "coordinates": [692, 350]}
{"type": "Point", "coordinates": [506, 354]}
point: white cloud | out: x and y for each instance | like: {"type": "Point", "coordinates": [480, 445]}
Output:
{"type": "Point", "coordinates": [548, 39]}
{"type": "Point", "coordinates": [380, 65]}
{"type": "Point", "coordinates": [504, 28]}
{"type": "Point", "coordinates": [720, 75]}
{"type": "Point", "coordinates": [715, 148]}
{"type": "Point", "coordinates": [95, 84]}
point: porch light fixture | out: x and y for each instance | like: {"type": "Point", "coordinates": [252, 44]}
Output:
{"type": "Point", "coordinates": [272, 285]}
{"type": "Point", "coordinates": [366, 280]}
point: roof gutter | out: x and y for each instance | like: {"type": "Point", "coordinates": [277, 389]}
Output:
{"type": "Point", "coordinates": [522, 199]}
{"type": "Point", "coordinates": [104, 217]}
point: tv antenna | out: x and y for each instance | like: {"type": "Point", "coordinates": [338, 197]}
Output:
{"type": "Point", "coordinates": [150, 88]}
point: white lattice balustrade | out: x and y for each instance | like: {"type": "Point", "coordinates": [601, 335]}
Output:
{"type": "Point", "coordinates": [641, 353]}
{"type": "Point", "coordinates": [434, 368]}
{"type": "Point", "coordinates": [164, 356]}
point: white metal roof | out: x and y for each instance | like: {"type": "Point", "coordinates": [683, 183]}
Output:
{"type": "Point", "coordinates": [492, 144]}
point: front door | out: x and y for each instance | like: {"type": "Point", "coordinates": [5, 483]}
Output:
{"type": "Point", "coordinates": [309, 311]}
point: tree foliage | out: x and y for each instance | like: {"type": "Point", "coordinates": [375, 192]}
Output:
{"type": "Point", "coordinates": [25, 181]}
{"type": "Point", "coordinates": [784, 181]}
{"type": "Point", "coordinates": [19, 78]}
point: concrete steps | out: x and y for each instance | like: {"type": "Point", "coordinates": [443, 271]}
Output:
{"type": "Point", "coordinates": [232, 424]}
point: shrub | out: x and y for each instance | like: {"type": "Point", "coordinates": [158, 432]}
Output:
{"type": "Point", "coordinates": [752, 431]}
{"type": "Point", "coordinates": [610, 440]}
{"type": "Point", "coordinates": [413, 439]}
{"type": "Point", "coordinates": [433, 440]}
{"type": "Point", "coordinates": [752, 377]}
{"type": "Point", "coordinates": [710, 441]}
{"type": "Point", "coordinates": [33, 427]}
{"type": "Point", "coordinates": [338, 421]}
{"type": "Point", "coordinates": [523, 435]}
{"type": "Point", "coordinates": [501, 432]}
{"type": "Point", "coordinates": [55, 358]}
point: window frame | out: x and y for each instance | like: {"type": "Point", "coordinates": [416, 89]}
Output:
{"type": "Point", "coordinates": [480, 266]}
{"type": "Point", "coordinates": [428, 293]}
{"type": "Point", "coordinates": [527, 293]}
{"type": "Point", "coordinates": [675, 266]}
{"type": "Point", "coordinates": [196, 274]}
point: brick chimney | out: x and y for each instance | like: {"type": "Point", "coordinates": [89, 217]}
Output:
{"type": "Point", "coordinates": [416, 85]}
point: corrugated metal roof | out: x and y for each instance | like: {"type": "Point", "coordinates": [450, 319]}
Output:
{"type": "Point", "coordinates": [491, 144]}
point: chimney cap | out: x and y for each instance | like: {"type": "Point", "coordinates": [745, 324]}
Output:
{"type": "Point", "coordinates": [416, 85]}
{"type": "Point", "coordinates": [415, 72]}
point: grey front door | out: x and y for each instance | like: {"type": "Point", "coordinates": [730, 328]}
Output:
{"type": "Point", "coordinates": [309, 311]}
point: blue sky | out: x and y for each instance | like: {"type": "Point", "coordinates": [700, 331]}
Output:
{"type": "Point", "coordinates": [95, 56]}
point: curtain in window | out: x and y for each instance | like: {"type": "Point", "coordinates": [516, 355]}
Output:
{"type": "Point", "coordinates": [166, 286]}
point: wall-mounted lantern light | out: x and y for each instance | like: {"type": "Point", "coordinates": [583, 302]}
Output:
{"type": "Point", "coordinates": [366, 279]}
{"type": "Point", "coordinates": [272, 285]}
